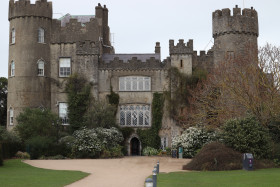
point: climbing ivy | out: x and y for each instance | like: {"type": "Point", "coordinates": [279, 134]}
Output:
{"type": "Point", "coordinates": [150, 137]}
{"type": "Point", "coordinates": [180, 87]}
{"type": "Point", "coordinates": [78, 98]}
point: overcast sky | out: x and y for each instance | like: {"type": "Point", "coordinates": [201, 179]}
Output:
{"type": "Point", "coordinates": [138, 24]}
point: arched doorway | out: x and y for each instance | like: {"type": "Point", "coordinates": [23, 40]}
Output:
{"type": "Point", "coordinates": [134, 147]}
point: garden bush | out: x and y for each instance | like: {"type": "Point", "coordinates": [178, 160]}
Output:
{"type": "Point", "coordinates": [192, 140]}
{"type": "Point", "coordinates": [22, 155]}
{"type": "Point", "coordinates": [215, 156]}
{"type": "Point", "coordinates": [149, 151]}
{"type": "Point", "coordinates": [1, 156]}
{"type": "Point", "coordinates": [91, 142]}
{"type": "Point", "coordinates": [247, 135]}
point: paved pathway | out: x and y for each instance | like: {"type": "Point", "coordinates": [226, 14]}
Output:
{"type": "Point", "coordinates": [125, 172]}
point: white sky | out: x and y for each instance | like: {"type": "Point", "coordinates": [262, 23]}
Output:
{"type": "Point", "coordinates": [138, 24]}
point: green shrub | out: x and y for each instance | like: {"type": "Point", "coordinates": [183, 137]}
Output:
{"type": "Point", "coordinates": [215, 157]}
{"type": "Point", "coordinates": [149, 151]}
{"type": "Point", "coordinates": [1, 156]}
{"type": "Point", "coordinates": [36, 122]}
{"type": "Point", "coordinates": [22, 155]}
{"type": "Point", "coordinates": [116, 152]}
{"type": "Point", "coordinates": [247, 136]}
{"type": "Point", "coordinates": [39, 146]}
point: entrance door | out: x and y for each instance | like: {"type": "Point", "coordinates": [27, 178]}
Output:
{"type": "Point", "coordinates": [135, 147]}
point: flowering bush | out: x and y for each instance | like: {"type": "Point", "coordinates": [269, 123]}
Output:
{"type": "Point", "coordinates": [90, 142]}
{"type": "Point", "coordinates": [192, 140]}
{"type": "Point", "coordinates": [149, 151]}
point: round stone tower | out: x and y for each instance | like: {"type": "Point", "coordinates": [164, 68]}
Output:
{"type": "Point", "coordinates": [235, 35]}
{"type": "Point", "coordinates": [29, 57]}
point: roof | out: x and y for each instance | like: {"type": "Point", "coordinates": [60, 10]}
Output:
{"type": "Point", "coordinates": [107, 58]}
{"type": "Point", "coordinates": [81, 18]}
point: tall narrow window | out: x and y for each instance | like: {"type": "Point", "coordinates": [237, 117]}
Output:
{"type": "Point", "coordinates": [63, 113]}
{"type": "Point", "coordinates": [13, 68]}
{"type": "Point", "coordinates": [41, 35]}
{"type": "Point", "coordinates": [13, 36]}
{"type": "Point", "coordinates": [64, 67]}
{"type": "Point", "coordinates": [181, 63]}
{"type": "Point", "coordinates": [41, 68]}
{"type": "Point", "coordinates": [11, 116]}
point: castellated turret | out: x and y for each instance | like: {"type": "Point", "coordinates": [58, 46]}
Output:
{"type": "Point", "coordinates": [234, 34]}
{"type": "Point", "coordinates": [181, 55]}
{"type": "Point", "coordinates": [29, 56]}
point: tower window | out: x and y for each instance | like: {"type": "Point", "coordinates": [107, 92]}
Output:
{"type": "Point", "coordinates": [181, 63]}
{"type": "Point", "coordinates": [41, 35]}
{"type": "Point", "coordinates": [41, 68]}
{"type": "Point", "coordinates": [13, 36]}
{"type": "Point", "coordinates": [64, 67]}
{"type": "Point", "coordinates": [13, 68]}
{"type": "Point", "coordinates": [63, 113]}
{"type": "Point", "coordinates": [11, 116]}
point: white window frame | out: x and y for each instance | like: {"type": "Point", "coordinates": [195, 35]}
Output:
{"type": "Point", "coordinates": [129, 115]}
{"type": "Point", "coordinates": [134, 84]}
{"type": "Point", "coordinates": [11, 116]}
{"type": "Point", "coordinates": [13, 35]}
{"type": "Point", "coordinates": [64, 67]}
{"type": "Point", "coordinates": [41, 35]}
{"type": "Point", "coordinates": [13, 68]}
{"type": "Point", "coordinates": [63, 113]}
{"type": "Point", "coordinates": [164, 142]}
{"type": "Point", "coordinates": [41, 68]}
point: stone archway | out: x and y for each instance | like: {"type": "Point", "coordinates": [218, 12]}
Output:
{"type": "Point", "coordinates": [134, 147]}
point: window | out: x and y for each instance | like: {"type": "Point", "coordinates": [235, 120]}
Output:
{"type": "Point", "coordinates": [63, 113]}
{"type": "Point", "coordinates": [13, 68]}
{"type": "Point", "coordinates": [11, 116]}
{"type": "Point", "coordinates": [134, 83]}
{"type": "Point", "coordinates": [41, 35]}
{"type": "Point", "coordinates": [135, 115]}
{"type": "Point", "coordinates": [41, 67]}
{"type": "Point", "coordinates": [164, 143]}
{"type": "Point", "coordinates": [64, 67]}
{"type": "Point", "coordinates": [181, 63]}
{"type": "Point", "coordinates": [13, 36]}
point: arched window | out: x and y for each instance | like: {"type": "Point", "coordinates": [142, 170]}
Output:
{"type": "Point", "coordinates": [41, 68]}
{"type": "Point", "coordinates": [41, 35]}
{"type": "Point", "coordinates": [13, 68]}
{"type": "Point", "coordinates": [11, 116]}
{"type": "Point", "coordinates": [13, 36]}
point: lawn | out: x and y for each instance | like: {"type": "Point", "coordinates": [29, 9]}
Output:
{"type": "Point", "coordinates": [264, 177]}
{"type": "Point", "coordinates": [16, 173]}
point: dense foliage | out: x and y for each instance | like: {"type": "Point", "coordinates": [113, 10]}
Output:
{"type": "Point", "coordinates": [215, 157]}
{"type": "Point", "coordinates": [36, 122]}
{"type": "Point", "coordinates": [10, 142]}
{"type": "Point", "coordinates": [150, 136]}
{"type": "Point", "coordinates": [102, 115]}
{"type": "Point", "coordinates": [3, 100]}
{"type": "Point", "coordinates": [1, 156]}
{"type": "Point", "coordinates": [78, 99]}
{"type": "Point", "coordinates": [91, 142]}
{"type": "Point", "coordinates": [192, 140]}
{"type": "Point", "coordinates": [149, 151]}
{"type": "Point", "coordinates": [247, 135]}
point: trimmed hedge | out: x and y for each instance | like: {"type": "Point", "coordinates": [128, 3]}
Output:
{"type": "Point", "coordinates": [215, 157]}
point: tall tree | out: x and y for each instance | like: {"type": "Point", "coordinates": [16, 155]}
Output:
{"type": "Point", "coordinates": [3, 100]}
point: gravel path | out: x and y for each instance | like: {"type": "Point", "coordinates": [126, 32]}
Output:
{"type": "Point", "coordinates": [124, 172]}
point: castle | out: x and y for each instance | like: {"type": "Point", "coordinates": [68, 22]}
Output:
{"type": "Point", "coordinates": [44, 51]}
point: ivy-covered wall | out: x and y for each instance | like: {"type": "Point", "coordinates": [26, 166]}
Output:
{"type": "Point", "coordinates": [150, 137]}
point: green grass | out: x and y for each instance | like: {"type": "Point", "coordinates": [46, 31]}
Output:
{"type": "Point", "coordinates": [264, 177]}
{"type": "Point", "coordinates": [16, 173]}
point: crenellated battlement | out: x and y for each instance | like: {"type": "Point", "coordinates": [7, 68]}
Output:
{"type": "Point", "coordinates": [23, 8]}
{"type": "Point", "coordinates": [246, 22]}
{"type": "Point", "coordinates": [181, 47]}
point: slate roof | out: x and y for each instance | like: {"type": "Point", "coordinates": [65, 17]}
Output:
{"type": "Point", "coordinates": [81, 18]}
